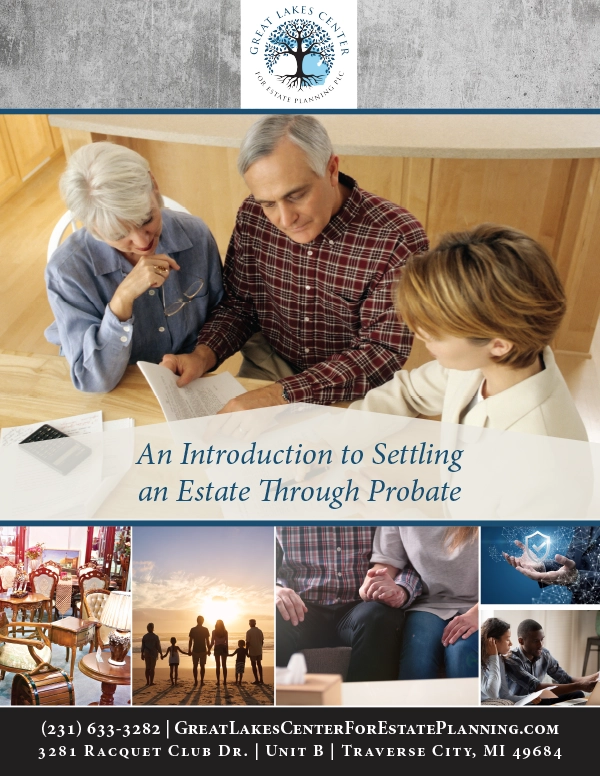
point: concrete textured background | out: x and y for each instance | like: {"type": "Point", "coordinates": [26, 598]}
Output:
{"type": "Point", "coordinates": [412, 54]}
{"type": "Point", "coordinates": [479, 54]}
{"type": "Point", "coordinates": [119, 53]}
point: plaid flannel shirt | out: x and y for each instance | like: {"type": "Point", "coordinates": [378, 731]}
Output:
{"type": "Point", "coordinates": [326, 307]}
{"type": "Point", "coordinates": [327, 565]}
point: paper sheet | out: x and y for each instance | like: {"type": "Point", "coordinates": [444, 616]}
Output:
{"type": "Point", "coordinates": [90, 423]}
{"type": "Point", "coordinates": [118, 425]}
{"type": "Point", "coordinates": [202, 397]}
{"type": "Point", "coordinates": [532, 696]}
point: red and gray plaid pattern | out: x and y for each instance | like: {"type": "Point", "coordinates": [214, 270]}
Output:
{"type": "Point", "coordinates": [328, 564]}
{"type": "Point", "coordinates": [326, 306]}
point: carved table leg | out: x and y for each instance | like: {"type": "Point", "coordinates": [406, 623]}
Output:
{"type": "Point", "coordinates": [108, 692]}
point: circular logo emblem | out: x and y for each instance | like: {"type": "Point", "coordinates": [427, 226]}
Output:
{"type": "Point", "coordinates": [300, 54]}
{"type": "Point", "coordinates": [296, 56]}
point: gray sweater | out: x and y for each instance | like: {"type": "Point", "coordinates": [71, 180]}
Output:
{"type": "Point", "coordinates": [450, 580]}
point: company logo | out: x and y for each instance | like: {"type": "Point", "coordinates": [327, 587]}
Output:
{"type": "Point", "coordinates": [299, 56]}
{"type": "Point", "coordinates": [537, 545]}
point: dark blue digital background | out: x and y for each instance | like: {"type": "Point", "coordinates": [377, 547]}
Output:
{"type": "Point", "coordinates": [501, 583]}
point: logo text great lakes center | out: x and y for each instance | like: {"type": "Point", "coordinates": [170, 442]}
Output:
{"type": "Point", "coordinates": [299, 50]}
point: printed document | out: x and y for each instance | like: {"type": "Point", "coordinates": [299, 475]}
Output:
{"type": "Point", "coordinates": [202, 397]}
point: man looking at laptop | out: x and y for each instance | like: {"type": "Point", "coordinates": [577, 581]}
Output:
{"type": "Point", "coordinates": [528, 664]}
{"type": "Point", "coordinates": [307, 276]}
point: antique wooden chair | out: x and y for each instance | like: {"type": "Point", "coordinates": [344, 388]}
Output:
{"type": "Point", "coordinates": [44, 580]}
{"type": "Point", "coordinates": [90, 579]}
{"type": "Point", "coordinates": [93, 602]}
{"type": "Point", "coordinates": [21, 654]}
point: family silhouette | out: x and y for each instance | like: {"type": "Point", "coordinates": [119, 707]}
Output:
{"type": "Point", "coordinates": [200, 645]}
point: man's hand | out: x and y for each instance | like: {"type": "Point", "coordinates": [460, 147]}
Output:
{"type": "Point", "coordinates": [461, 626]}
{"type": "Point", "coordinates": [587, 683]}
{"type": "Point", "coordinates": [566, 575]}
{"type": "Point", "coordinates": [586, 686]}
{"type": "Point", "coordinates": [380, 586]}
{"type": "Point", "coordinates": [269, 396]}
{"type": "Point", "coordinates": [523, 561]}
{"type": "Point", "coordinates": [190, 365]}
{"type": "Point", "coordinates": [289, 605]}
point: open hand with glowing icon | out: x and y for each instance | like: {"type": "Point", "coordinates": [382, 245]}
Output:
{"type": "Point", "coordinates": [536, 570]}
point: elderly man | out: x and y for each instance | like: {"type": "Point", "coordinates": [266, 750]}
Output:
{"type": "Point", "coordinates": [307, 276]}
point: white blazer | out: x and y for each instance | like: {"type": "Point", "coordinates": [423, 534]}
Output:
{"type": "Point", "coordinates": [539, 405]}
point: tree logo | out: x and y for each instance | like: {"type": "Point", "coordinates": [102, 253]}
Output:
{"type": "Point", "coordinates": [299, 53]}
{"type": "Point", "coordinates": [296, 56]}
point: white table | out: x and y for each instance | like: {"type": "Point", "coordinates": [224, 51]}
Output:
{"type": "Point", "coordinates": [418, 692]}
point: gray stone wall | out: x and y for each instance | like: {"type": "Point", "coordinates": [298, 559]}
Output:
{"type": "Point", "coordinates": [412, 54]}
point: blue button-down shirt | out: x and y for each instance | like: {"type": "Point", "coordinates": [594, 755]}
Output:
{"type": "Point", "coordinates": [82, 278]}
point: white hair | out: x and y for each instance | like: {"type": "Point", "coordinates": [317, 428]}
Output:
{"type": "Point", "coordinates": [108, 188]}
{"type": "Point", "coordinates": [305, 131]}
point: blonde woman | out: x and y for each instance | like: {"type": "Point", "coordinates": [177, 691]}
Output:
{"type": "Point", "coordinates": [487, 303]}
{"type": "Point", "coordinates": [442, 617]}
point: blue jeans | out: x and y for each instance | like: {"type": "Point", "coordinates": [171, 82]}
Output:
{"type": "Point", "coordinates": [422, 653]}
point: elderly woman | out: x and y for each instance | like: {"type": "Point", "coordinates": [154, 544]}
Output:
{"type": "Point", "coordinates": [138, 281]}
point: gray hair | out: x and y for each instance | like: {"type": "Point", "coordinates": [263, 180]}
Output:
{"type": "Point", "coordinates": [305, 131]}
{"type": "Point", "coordinates": [108, 188]}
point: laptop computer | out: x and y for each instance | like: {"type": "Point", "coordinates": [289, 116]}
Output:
{"type": "Point", "coordinates": [593, 699]}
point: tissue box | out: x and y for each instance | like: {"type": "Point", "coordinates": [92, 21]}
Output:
{"type": "Point", "coordinates": [317, 690]}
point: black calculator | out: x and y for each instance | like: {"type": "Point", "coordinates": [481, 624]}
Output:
{"type": "Point", "coordinates": [61, 452]}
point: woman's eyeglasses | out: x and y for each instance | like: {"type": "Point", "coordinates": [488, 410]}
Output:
{"type": "Point", "coordinates": [189, 294]}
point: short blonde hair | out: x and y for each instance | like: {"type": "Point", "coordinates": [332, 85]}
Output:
{"type": "Point", "coordinates": [490, 281]}
{"type": "Point", "coordinates": [108, 188]}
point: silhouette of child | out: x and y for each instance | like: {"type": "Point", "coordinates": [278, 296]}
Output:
{"type": "Point", "coordinates": [240, 660]}
{"type": "Point", "coordinates": [173, 654]}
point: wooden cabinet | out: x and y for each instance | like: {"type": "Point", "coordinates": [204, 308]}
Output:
{"type": "Point", "coordinates": [31, 141]}
{"type": "Point", "coordinates": [27, 141]}
{"type": "Point", "coordinates": [10, 180]}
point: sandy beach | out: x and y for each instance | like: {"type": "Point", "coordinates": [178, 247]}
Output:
{"type": "Point", "coordinates": [185, 694]}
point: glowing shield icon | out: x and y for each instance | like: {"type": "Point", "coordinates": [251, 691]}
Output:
{"type": "Point", "coordinates": [537, 545]}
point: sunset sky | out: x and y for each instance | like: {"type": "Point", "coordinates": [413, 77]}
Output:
{"type": "Point", "coordinates": [223, 572]}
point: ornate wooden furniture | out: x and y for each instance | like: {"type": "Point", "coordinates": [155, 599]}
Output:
{"type": "Point", "coordinates": [30, 604]}
{"type": "Point", "coordinates": [44, 686]}
{"type": "Point", "coordinates": [22, 654]}
{"type": "Point", "coordinates": [74, 634]}
{"type": "Point", "coordinates": [8, 569]}
{"type": "Point", "coordinates": [44, 580]}
{"type": "Point", "coordinates": [92, 604]}
{"type": "Point", "coordinates": [91, 579]}
{"type": "Point", "coordinates": [109, 675]}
